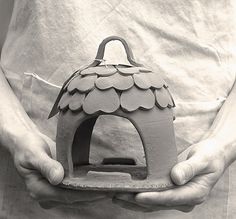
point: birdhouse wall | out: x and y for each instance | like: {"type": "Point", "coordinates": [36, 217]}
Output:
{"type": "Point", "coordinates": [68, 123]}
{"type": "Point", "coordinates": [156, 130]}
{"type": "Point", "coordinates": [154, 126]}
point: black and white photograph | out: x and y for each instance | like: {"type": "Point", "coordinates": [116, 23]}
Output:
{"type": "Point", "coordinates": [117, 109]}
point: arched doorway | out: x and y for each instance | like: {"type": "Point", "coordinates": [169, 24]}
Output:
{"type": "Point", "coordinates": [108, 143]}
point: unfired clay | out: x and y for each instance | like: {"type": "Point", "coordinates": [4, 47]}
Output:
{"type": "Point", "coordinates": [130, 91]}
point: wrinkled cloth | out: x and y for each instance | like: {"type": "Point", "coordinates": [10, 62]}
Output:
{"type": "Point", "coordinates": [190, 43]}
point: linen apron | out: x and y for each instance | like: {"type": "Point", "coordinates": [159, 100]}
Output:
{"type": "Point", "coordinates": [191, 43]}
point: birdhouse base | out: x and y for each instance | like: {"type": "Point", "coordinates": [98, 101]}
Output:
{"type": "Point", "coordinates": [118, 178]}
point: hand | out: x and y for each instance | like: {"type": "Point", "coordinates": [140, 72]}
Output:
{"type": "Point", "coordinates": [194, 177]}
{"type": "Point", "coordinates": [33, 161]}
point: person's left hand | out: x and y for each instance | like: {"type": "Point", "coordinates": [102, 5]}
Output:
{"type": "Point", "coordinates": [194, 177]}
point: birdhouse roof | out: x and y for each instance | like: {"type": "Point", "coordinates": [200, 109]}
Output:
{"type": "Point", "coordinates": [106, 88]}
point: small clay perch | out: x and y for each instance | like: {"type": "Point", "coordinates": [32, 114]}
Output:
{"type": "Point", "coordinates": [133, 92]}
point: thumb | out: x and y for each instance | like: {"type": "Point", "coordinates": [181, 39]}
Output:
{"type": "Point", "coordinates": [184, 171]}
{"type": "Point", "coordinates": [51, 169]}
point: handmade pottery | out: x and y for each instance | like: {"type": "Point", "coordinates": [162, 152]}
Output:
{"type": "Point", "coordinates": [130, 91]}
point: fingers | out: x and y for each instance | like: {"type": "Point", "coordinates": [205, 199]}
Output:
{"type": "Point", "coordinates": [51, 144]}
{"type": "Point", "coordinates": [41, 173]}
{"type": "Point", "coordinates": [130, 205]}
{"type": "Point", "coordinates": [41, 190]}
{"type": "Point", "coordinates": [36, 157]}
{"type": "Point", "coordinates": [51, 169]}
{"type": "Point", "coordinates": [128, 201]}
{"type": "Point", "coordinates": [184, 171]}
{"type": "Point", "coordinates": [190, 194]}
{"type": "Point", "coordinates": [33, 155]}
{"type": "Point", "coordinates": [39, 162]}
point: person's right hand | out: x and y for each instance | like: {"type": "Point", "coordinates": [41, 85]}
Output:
{"type": "Point", "coordinates": [40, 172]}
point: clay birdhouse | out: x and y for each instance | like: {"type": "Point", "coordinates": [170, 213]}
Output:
{"type": "Point", "coordinates": [130, 91]}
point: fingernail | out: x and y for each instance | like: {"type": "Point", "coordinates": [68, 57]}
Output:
{"type": "Point", "coordinates": [181, 176]}
{"type": "Point", "coordinates": [140, 198]}
{"type": "Point", "coordinates": [55, 176]}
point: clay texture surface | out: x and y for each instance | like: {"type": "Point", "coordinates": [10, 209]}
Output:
{"type": "Point", "coordinates": [106, 88]}
{"type": "Point", "coordinates": [130, 91]}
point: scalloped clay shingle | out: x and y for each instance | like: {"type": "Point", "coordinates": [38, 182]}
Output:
{"type": "Point", "coordinates": [133, 92]}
